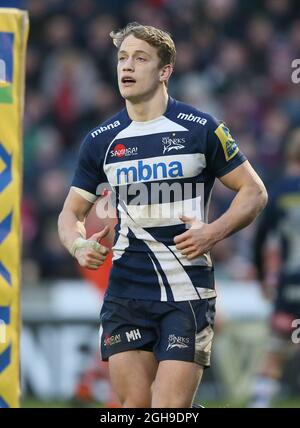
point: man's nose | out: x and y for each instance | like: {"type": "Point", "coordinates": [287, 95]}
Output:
{"type": "Point", "coordinates": [128, 65]}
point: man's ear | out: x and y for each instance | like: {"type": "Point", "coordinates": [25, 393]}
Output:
{"type": "Point", "coordinates": [166, 72]}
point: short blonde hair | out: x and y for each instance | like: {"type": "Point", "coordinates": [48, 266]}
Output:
{"type": "Point", "coordinates": [159, 39]}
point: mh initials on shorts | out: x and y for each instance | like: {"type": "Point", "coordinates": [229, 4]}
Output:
{"type": "Point", "coordinates": [133, 335]}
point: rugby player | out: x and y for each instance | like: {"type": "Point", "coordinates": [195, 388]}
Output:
{"type": "Point", "coordinates": [158, 313]}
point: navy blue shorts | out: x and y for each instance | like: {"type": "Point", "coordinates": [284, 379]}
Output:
{"type": "Point", "coordinates": [171, 330]}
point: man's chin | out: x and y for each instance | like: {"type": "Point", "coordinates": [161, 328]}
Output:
{"type": "Point", "coordinates": [131, 96]}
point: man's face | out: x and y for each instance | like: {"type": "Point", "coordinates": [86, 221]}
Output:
{"type": "Point", "coordinates": [138, 69]}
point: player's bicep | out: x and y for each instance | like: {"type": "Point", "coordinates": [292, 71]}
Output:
{"type": "Point", "coordinates": [89, 172]}
{"type": "Point", "coordinates": [77, 204]}
{"type": "Point", "coordinates": [242, 175]}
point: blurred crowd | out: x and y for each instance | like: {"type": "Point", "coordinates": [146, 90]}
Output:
{"type": "Point", "coordinates": [234, 61]}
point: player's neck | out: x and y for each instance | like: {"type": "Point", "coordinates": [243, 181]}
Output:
{"type": "Point", "coordinates": [148, 109]}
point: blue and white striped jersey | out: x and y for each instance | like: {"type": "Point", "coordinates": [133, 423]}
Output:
{"type": "Point", "coordinates": [159, 169]}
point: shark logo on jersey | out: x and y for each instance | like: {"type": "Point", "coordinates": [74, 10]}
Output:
{"type": "Point", "coordinates": [177, 342]}
{"type": "Point", "coordinates": [172, 144]}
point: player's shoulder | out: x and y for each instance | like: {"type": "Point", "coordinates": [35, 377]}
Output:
{"type": "Point", "coordinates": [97, 140]}
{"type": "Point", "coordinates": [192, 118]}
{"type": "Point", "coordinates": [108, 129]}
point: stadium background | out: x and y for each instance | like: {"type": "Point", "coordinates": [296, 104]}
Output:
{"type": "Point", "coordinates": [234, 61]}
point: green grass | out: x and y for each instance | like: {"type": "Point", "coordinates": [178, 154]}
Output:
{"type": "Point", "coordinates": [291, 403]}
{"type": "Point", "coordinates": [32, 403]}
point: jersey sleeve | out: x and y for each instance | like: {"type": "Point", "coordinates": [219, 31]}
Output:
{"type": "Point", "coordinates": [89, 170]}
{"type": "Point", "coordinates": [223, 152]}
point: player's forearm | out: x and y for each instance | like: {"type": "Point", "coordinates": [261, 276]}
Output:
{"type": "Point", "coordinates": [70, 228]}
{"type": "Point", "coordinates": [245, 207]}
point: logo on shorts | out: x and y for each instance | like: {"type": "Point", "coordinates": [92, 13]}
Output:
{"type": "Point", "coordinates": [133, 335]}
{"type": "Point", "coordinates": [177, 342]}
{"type": "Point", "coordinates": [112, 340]}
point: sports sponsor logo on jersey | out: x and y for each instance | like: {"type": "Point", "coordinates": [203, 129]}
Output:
{"type": "Point", "coordinates": [99, 131]}
{"type": "Point", "coordinates": [178, 342]}
{"type": "Point", "coordinates": [133, 335]}
{"type": "Point", "coordinates": [172, 144]}
{"type": "Point", "coordinates": [121, 151]}
{"type": "Point", "coordinates": [147, 172]}
{"type": "Point", "coordinates": [229, 145]}
{"type": "Point", "coordinates": [112, 340]}
{"type": "Point", "coordinates": [191, 118]}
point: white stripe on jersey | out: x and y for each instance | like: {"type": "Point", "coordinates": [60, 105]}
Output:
{"type": "Point", "coordinates": [86, 195]}
{"type": "Point", "coordinates": [180, 283]}
{"type": "Point", "coordinates": [122, 242]}
{"type": "Point", "coordinates": [165, 214]}
{"type": "Point", "coordinates": [136, 129]}
{"type": "Point", "coordinates": [204, 260]}
{"type": "Point", "coordinates": [206, 293]}
{"type": "Point", "coordinates": [156, 126]}
{"type": "Point", "coordinates": [163, 292]}
{"type": "Point", "coordinates": [160, 167]}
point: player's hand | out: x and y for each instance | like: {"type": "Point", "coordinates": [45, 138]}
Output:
{"type": "Point", "coordinates": [198, 239]}
{"type": "Point", "coordinates": [90, 253]}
